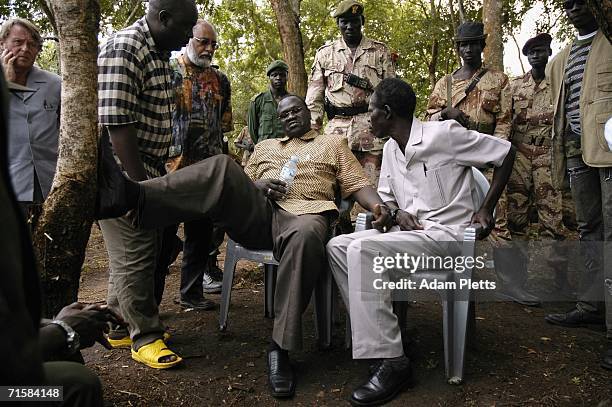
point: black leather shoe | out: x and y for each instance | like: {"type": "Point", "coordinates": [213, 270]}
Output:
{"type": "Point", "coordinates": [606, 361]}
{"type": "Point", "coordinates": [575, 318]}
{"type": "Point", "coordinates": [390, 377]}
{"type": "Point", "coordinates": [114, 189]}
{"type": "Point", "coordinates": [281, 377]}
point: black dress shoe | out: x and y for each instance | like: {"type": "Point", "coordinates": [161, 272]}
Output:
{"type": "Point", "coordinates": [575, 318]}
{"type": "Point", "coordinates": [280, 374]}
{"type": "Point", "coordinates": [389, 378]}
{"type": "Point", "coordinates": [606, 361]}
{"type": "Point", "coordinates": [115, 196]}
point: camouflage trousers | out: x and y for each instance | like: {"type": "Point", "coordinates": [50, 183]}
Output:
{"type": "Point", "coordinates": [500, 233]}
{"type": "Point", "coordinates": [530, 185]}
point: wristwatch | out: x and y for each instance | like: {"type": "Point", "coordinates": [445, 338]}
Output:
{"type": "Point", "coordinates": [393, 213]}
{"type": "Point", "coordinates": [72, 338]}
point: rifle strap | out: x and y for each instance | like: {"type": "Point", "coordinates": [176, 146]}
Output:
{"type": "Point", "coordinates": [468, 89]}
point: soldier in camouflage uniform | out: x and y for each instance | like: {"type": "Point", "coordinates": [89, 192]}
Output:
{"type": "Point", "coordinates": [530, 183]}
{"type": "Point", "coordinates": [486, 108]}
{"type": "Point", "coordinates": [343, 78]}
{"type": "Point", "coordinates": [479, 98]}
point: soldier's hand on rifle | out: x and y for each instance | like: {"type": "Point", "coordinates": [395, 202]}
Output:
{"type": "Point", "coordinates": [455, 114]}
{"type": "Point", "coordinates": [274, 189]}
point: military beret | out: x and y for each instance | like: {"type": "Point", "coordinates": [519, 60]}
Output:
{"type": "Point", "coordinates": [349, 7]}
{"type": "Point", "coordinates": [278, 64]}
{"type": "Point", "coordinates": [470, 31]}
{"type": "Point", "coordinates": [540, 39]}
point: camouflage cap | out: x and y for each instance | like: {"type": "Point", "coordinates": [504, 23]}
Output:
{"type": "Point", "coordinates": [470, 31]}
{"type": "Point", "coordinates": [349, 7]}
{"type": "Point", "coordinates": [278, 64]}
{"type": "Point", "coordinates": [540, 39]}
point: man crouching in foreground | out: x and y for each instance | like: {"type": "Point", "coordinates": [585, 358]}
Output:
{"type": "Point", "coordinates": [293, 223]}
{"type": "Point", "coordinates": [426, 182]}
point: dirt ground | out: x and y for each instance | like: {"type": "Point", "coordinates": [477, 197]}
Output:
{"type": "Point", "coordinates": [516, 360]}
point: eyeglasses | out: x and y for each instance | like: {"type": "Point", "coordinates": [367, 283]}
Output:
{"type": "Point", "coordinates": [569, 4]}
{"type": "Point", "coordinates": [206, 42]}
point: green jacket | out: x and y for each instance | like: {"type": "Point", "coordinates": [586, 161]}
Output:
{"type": "Point", "coordinates": [595, 103]}
{"type": "Point", "coordinates": [262, 119]}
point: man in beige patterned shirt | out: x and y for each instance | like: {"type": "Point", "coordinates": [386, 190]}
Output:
{"type": "Point", "coordinates": [293, 223]}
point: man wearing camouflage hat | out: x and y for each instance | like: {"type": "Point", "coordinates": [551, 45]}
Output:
{"type": "Point", "coordinates": [263, 121]}
{"type": "Point", "coordinates": [478, 97]}
{"type": "Point", "coordinates": [343, 77]}
{"type": "Point", "coordinates": [530, 183]}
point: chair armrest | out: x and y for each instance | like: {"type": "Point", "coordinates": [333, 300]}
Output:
{"type": "Point", "coordinates": [364, 221]}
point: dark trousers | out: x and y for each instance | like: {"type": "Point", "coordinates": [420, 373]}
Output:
{"type": "Point", "coordinates": [196, 250]}
{"type": "Point", "coordinates": [81, 386]}
{"type": "Point", "coordinates": [592, 193]}
{"type": "Point", "coordinates": [217, 188]}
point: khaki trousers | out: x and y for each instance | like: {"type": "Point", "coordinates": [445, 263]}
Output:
{"type": "Point", "coordinates": [132, 256]}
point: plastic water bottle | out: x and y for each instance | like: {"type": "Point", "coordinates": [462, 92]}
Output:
{"type": "Point", "coordinates": [289, 170]}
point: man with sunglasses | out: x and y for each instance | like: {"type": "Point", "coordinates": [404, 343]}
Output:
{"type": "Point", "coordinates": [203, 112]}
{"type": "Point", "coordinates": [581, 86]}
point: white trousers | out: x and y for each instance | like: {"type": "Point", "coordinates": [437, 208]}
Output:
{"type": "Point", "coordinates": [375, 331]}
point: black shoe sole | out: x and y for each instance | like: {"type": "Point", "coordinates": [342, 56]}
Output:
{"type": "Point", "coordinates": [409, 383]}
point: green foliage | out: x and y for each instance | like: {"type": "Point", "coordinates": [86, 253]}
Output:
{"type": "Point", "coordinates": [249, 37]}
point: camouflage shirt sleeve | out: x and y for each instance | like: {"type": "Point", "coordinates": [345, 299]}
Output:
{"type": "Point", "coordinates": [388, 65]}
{"type": "Point", "coordinates": [316, 93]}
{"type": "Point", "coordinates": [437, 100]}
{"type": "Point", "coordinates": [503, 118]}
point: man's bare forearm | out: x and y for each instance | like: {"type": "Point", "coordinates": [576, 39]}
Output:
{"type": "Point", "coordinates": [125, 144]}
{"type": "Point", "coordinates": [367, 197]}
{"type": "Point", "coordinates": [500, 179]}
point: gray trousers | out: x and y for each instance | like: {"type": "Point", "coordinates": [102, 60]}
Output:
{"type": "Point", "coordinates": [374, 327]}
{"type": "Point", "coordinates": [592, 193]}
{"type": "Point", "coordinates": [132, 256]}
{"type": "Point", "coordinates": [217, 188]}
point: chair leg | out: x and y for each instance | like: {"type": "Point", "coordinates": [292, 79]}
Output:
{"type": "Point", "coordinates": [460, 315]}
{"type": "Point", "coordinates": [324, 309]}
{"type": "Point", "coordinates": [348, 334]}
{"type": "Point", "coordinates": [447, 329]}
{"type": "Point", "coordinates": [229, 267]}
{"type": "Point", "coordinates": [269, 288]}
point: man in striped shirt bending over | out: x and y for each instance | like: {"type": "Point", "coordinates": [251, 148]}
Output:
{"type": "Point", "coordinates": [581, 87]}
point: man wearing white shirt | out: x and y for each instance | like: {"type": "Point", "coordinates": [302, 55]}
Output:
{"type": "Point", "coordinates": [426, 181]}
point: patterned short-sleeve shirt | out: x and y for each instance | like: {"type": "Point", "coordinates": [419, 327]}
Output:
{"type": "Point", "coordinates": [325, 165]}
{"type": "Point", "coordinates": [134, 88]}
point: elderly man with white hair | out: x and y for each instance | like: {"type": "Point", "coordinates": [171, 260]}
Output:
{"type": "Point", "coordinates": [203, 113]}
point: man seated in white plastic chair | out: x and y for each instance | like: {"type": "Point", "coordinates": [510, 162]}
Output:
{"type": "Point", "coordinates": [426, 182]}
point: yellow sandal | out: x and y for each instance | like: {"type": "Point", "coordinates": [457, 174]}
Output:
{"type": "Point", "coordinates": [151, 353]}
{"type": "Point", "coordinates": [126, 341]}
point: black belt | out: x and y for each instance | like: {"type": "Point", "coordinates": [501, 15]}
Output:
{"type": "Point", "coordinates": [349, 111]}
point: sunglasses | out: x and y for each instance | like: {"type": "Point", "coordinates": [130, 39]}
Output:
{"type": "Point", "coordinates": [569, 4]}
{"type": "Point", "coordinates": [206, 42]}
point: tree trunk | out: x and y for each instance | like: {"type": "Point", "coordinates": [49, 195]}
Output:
{"type": "Point", "coordinates": [433, 62]}
{"type": "Point", "coordinates": [288, 23]}
{"type": "Point", "coordinates": [492, 19]}
{"type": "Point", "coordinates": [602, 10]}
{"type": "Point", "coordinates": [61, 233]}
{"type": "Point", "coordinates": [461, 11]}
{"type": "Point", "coordinates": [455, 26]}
